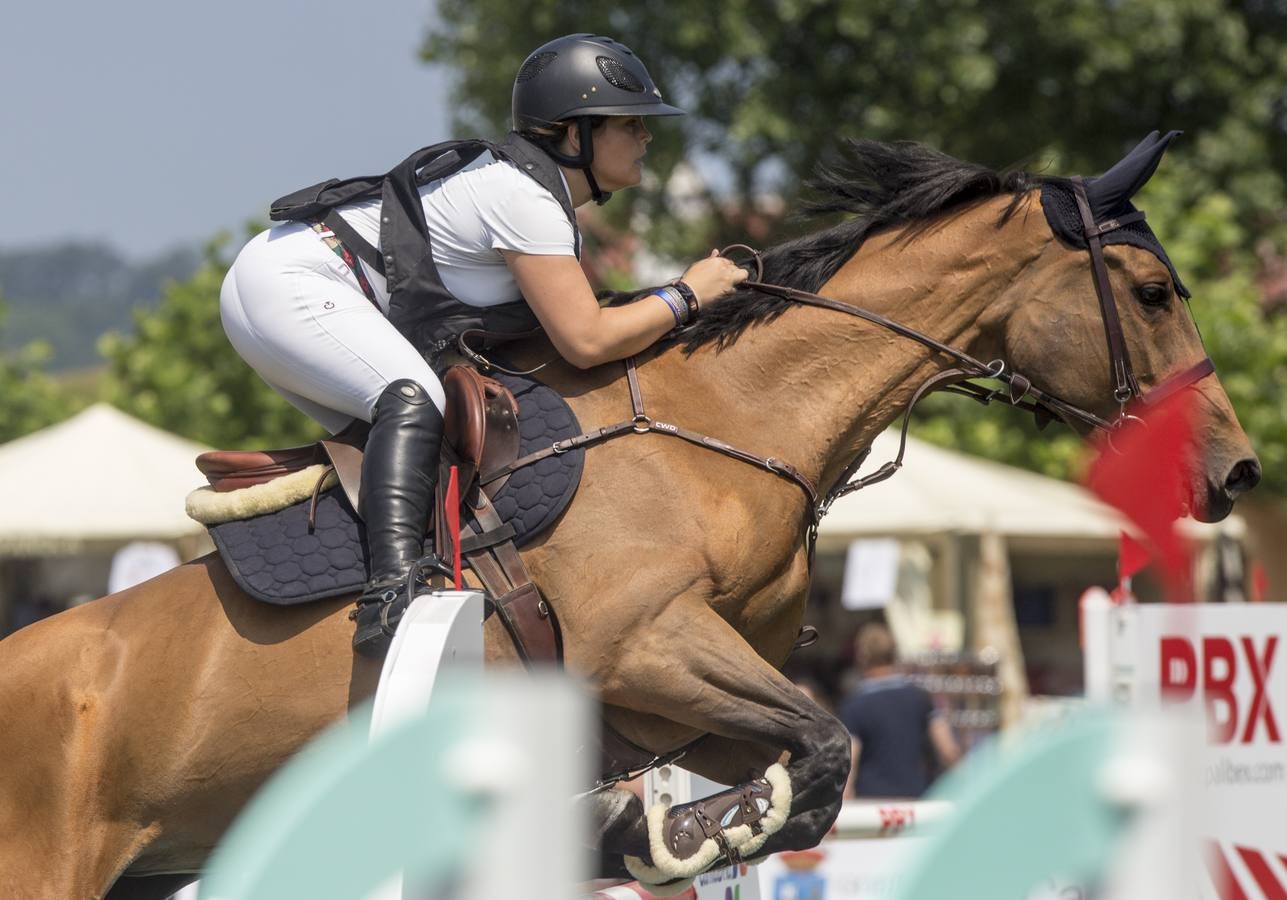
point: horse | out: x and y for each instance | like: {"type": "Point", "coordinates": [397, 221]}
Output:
{"type": "Point", "coordinates": [138, 725]}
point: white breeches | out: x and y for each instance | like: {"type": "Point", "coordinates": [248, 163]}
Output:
{"type": "Point", "coordinates": [295, 313]}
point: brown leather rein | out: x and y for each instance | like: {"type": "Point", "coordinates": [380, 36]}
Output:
{"type": "Point", "coordinates": [1015, 388]}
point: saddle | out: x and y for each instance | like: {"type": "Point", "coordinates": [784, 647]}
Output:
{"type": "Point", "coordinates": [481, 427]}
{"type": "Point", "coordinates": [481, 438]}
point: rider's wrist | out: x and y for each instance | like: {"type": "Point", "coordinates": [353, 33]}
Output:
{"type": "Point", "coordinates": [689, 298]}
{"type": "Point", "coordinates": [675, 302]}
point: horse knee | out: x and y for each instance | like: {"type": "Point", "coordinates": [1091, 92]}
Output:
{"type": "Point", "coordinates": [820, 770]}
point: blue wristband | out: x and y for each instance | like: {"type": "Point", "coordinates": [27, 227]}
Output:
{"type": "Point", "coordinates": [677, 308]}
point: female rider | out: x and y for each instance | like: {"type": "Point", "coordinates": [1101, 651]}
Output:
{"type": "Point", "coordinates": [329, 332]}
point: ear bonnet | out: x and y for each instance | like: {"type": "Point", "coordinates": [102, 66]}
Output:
{"type": "Point", "coordinates": [1110, 197]}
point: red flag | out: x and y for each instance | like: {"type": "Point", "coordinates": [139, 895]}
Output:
{"type": "Point", "coordinates": [1132, 556]}
{"type": "Point", "coordinates": [1143, 472]}
{"type": "Point", "coordinates": [452, 502]}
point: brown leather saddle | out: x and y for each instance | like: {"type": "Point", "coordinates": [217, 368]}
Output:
{"type": "Point", "coordinates": [481, 428]}
{"type": "Point", "coordinates": [482, 440]}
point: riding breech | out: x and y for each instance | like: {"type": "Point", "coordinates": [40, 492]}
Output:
{"type": "Point", "coordinates": [295, 313]}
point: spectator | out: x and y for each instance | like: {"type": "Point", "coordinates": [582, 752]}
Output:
{"type": "Point", "coordinates": [893, 725]}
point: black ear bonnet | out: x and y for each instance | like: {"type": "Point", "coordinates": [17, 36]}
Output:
{"type": "Point", "coordinates": [1110, 197]}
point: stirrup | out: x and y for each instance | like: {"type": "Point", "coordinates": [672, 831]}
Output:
{"type": "Point", "coordinates": [380, 609]}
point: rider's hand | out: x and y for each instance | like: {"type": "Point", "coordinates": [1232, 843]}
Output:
{"type": "Point", "coordinates": [713, 277]}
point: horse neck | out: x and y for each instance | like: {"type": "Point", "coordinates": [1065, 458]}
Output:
{"type": "Point", "coordinates": [816, 386]}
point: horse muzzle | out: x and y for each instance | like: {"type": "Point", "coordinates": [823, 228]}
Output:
{"type": "Point", "coordinates": [1241, 477]}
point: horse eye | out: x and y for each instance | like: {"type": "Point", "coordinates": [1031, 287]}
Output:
{"type": "Point", "coordinates": [1154, 294]}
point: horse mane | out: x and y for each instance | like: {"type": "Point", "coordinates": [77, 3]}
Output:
{"type": "Point", "coordinates": [878, 185]}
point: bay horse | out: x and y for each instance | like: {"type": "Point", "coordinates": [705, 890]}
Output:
{"type": "Point", "coordinates": [137, 726]}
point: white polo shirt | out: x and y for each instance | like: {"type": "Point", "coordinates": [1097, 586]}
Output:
{"type": "Point", "coordinates": [472, 215]}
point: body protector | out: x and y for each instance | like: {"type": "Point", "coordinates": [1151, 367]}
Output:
{"type": "Point", "coordinates": [421, 307]}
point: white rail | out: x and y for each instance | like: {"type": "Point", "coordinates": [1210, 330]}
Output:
{"type": "Point", "coordinates": [866, 819]}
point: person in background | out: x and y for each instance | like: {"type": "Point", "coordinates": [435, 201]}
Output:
{"type": "Point", "coordinates": [893, 725]}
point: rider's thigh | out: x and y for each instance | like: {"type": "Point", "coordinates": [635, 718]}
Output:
{"type": "Point", "coordinates": [312, 334]}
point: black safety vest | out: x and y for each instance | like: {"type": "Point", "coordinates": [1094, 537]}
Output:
{"type": "Point", "coordinates": [421, 307]}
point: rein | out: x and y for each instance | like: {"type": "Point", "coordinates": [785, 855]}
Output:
{"type": "Point", "coordinates": [1017, 389]}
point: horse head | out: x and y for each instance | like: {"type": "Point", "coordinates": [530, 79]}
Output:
{"type": "Point", "coordinates": [1061, 315]}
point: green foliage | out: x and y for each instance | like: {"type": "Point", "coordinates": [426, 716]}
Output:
{"type": "Point", "coordinates": [179, 372]}
{"type": "Point", "coordinates": [774, 86]}
{"type": "Point", "coordinates": [29, 398]}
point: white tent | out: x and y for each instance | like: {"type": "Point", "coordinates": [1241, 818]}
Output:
{"type": "Point", "coordinates": [939, 491]}
{"type": "Point", "coordinates": [99, 477]}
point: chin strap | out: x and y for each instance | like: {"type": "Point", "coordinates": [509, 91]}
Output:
{"type": "Point", "coordinates": [582, 160]}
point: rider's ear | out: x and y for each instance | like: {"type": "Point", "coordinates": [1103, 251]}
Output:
{"type": "Point", "coordinates": [573, 137]}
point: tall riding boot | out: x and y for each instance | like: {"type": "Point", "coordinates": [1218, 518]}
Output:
{"type": "Point", "coordinates": [399, 474]}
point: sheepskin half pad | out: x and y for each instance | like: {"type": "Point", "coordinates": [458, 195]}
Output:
{"type": "Point", "coordinates": [275, 556]}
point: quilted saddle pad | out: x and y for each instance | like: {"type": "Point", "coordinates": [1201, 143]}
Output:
{"type": "Point", "coordinates": [276, 558]}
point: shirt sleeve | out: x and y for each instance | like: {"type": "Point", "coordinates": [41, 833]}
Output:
{"type": "Point", "coordinates": [525, 218]}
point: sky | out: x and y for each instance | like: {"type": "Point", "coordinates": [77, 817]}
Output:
{"type": "Point", "coordinates": [154, 123]}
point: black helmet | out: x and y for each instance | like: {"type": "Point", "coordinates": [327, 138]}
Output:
{"type": "Point", "coordinates": [583, 75]}
{"type": "Point", "coordinates": [576, 77]}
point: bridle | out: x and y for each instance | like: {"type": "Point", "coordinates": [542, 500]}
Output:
{"type": "Point", "coordinates": [1015, 388]}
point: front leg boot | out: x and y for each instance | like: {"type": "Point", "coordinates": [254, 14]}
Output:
{"type": "Point", "coordinates": [689, 839]}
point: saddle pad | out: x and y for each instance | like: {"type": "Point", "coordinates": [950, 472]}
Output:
{"type": "Point", "coordinates": [277, 559]}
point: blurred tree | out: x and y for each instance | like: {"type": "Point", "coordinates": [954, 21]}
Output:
{"type": "Point", "coordinates": [773, 86]}
{"type": "Point", "coordinates": [29, 398]}
{"type": "Point", "coordinates": [179, 372]}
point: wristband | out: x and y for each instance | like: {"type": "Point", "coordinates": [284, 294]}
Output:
{"type": "Point", "coordinates": [689, 298]}
{"type": "Point", "coordinates": [676, 305]}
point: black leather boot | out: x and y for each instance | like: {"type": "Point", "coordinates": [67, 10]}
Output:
{"type": "Point", "coordinates": [399, 473]}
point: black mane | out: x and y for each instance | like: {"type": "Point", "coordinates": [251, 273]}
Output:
{"type": "Point", "coordinates": [879, 185]}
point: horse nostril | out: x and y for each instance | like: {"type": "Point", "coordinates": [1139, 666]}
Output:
{"type": "Point", "coordinates": [1244, 476]}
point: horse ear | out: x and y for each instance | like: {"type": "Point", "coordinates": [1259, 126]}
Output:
{"type": "Point", "coordinates": [1109, 192]}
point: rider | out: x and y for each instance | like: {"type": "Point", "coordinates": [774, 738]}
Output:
{"type": "Point", "coordinates": [326, 331]}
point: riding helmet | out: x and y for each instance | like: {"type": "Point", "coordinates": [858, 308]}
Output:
{"type": "Point", "coordinates": [577, 77]}
{"type": "Point", "coordinates": [584, 75]}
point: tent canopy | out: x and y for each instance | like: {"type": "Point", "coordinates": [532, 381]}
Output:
{"type": "Point", "coordinates": [100, 476]}
{"type": "Point", "coordinates": [940, 491]}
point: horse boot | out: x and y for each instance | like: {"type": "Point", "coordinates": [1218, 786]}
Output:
{"type": "Point", "coordinates": [399, 474]}
{"type": "Point", "coordinates": [723, 829]}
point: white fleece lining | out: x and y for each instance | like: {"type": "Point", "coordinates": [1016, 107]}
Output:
{"type": "Point", "coordinates": [211, 507]}
{"type": "Point", "coordinates": [659, 877]}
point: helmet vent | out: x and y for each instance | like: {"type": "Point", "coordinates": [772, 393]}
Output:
{"type": "Point", "coordinates": [619, 76]}
{"type": "Point", "coordinates": [534, 66]}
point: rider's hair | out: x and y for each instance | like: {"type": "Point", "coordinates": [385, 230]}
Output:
{"type": "Point", "coordinates": [554, 133]}
{"type": "Point", "coordinates": [874, 647]}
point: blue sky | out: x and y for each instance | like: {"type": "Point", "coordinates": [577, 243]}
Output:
{"type": "Point", "coordinates": [148, 123]}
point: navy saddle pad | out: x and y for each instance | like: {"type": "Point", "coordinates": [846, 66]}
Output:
{"type": "Point", "coordinates": [277, 559]}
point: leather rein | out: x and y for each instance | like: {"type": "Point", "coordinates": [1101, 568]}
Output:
{"type": "Point", "coordinates": [1015, 388]}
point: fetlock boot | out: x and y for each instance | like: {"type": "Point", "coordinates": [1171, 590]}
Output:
{"type": "Point", "coordinates": [399, 474]}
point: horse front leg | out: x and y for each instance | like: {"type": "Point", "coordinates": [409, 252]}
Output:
{"type": "Point", "coordinates": [692, 668]}
{"type": "Point", "coordinates": [730, 761]}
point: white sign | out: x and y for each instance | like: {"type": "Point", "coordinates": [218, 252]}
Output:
{"type": "Point", "coordinates": [871, 574]}
{"type": "Point", "coordinates": [1225, 662]}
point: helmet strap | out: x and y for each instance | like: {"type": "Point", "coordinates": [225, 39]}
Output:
{"type": "Point", "coordinates": [582, 160]}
